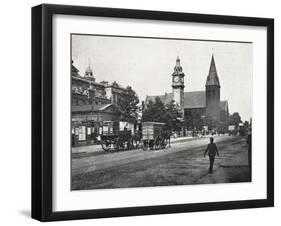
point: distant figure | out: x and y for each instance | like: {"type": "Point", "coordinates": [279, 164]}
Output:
{"type": "Point", "coordinates": [249, 141]}
{"type": "Point", "coordinates": [125, 127]}
{"type": "Point", "coordinates": [167, 136]}
{"type": "Point", "coordinates": [212, 151]}
{"type": "Point", "coordinates": [99, 139]}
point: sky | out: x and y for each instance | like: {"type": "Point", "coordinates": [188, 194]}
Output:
{"type": "Point", "coordinates": [147, 65]}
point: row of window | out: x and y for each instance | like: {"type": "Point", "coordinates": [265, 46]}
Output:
{"type": "Point", "coordinates": [76, 101]}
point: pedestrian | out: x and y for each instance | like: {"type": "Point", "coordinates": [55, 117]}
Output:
{"type": "Point", "coordinates": [125, 127]}
{"type": "Point", "coordinates": [212, 151]}
{"type": "Point", "coordinates": [99, 139]}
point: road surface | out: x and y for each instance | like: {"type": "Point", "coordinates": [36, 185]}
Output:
{"type": "Point", "coordinates": [183, 163]}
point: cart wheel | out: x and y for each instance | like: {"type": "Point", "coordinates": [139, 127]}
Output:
{"type": "Point", "coordinates": [151, 144]}
{"type": "Point", "coordinates": [164, 143]}
{"type": "Point", "coordinates": [116, 144]}
{"type": "Point", "coordinates": [137, 140]}
{"type": "Point", "coordinates": [106, 145]}
{"type": "Point", "coordinates": [136, 143]}
{"type": "Point", "coordinates": [144, 144]}
{"type": "Point", "coordinates": [129, 144]}
{"type": "Point", "coordinates": [157, 143]}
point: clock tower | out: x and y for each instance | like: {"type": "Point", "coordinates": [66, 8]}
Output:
{"type": "Point", "coordinates": [178, 84]}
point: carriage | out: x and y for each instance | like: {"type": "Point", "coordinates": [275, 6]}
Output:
{"type": "Point", "coordinates": [118, 135]}
{"type": "Point", "coordinates": [154, 136]}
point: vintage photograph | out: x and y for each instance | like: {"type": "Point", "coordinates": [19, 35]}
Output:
{"type": "Point", "coordinates": [149, 112]}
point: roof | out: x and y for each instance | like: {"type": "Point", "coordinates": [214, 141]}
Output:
{"type": "Point", "coordinates": [104, 107]}
{"type": "Point", "coordinates": [81, 108]}
{"type": "Point", "coordinates": [195, 99]}
{"type": "Point", "coordinates": [153, 123]}
{"type": "Point", "coordinates": [115, 108]}
{"type": "Point", "coordinates": [213, 79]}
{"type": "Point", "coordinates": [89, 107]}
{"type": "Point", "coordinates": [224, 105]}
{"type": "Point", "coordinates": [116, 86]}
{"type": "Point", "coordinates": [83, 79]}
{"type": "Point", "coordinates": [74, 69]}
{"type": "Point", "coordinates": [166, 98]}
{"type": "Point", "coordinates": [191, 99]}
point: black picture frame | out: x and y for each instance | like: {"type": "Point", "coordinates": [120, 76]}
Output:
{"type": "Point", "coordinates": [42, 107]}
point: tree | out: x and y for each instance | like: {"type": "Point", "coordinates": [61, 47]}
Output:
{"type": "Point", "coordinates": [158, 112]}
{"type": "Point", "coordinates": [154, 111]}
{"type": "Point", "coordinates": [172, 114]}
{"type": "Point", "coordinates": [194, 119]}
{"type": "Point", "coordinates": [235, 119]}
{"type": "Point", "coordinates": [211, 122]}
{"type": "Point", "coordinates": [129, 101]}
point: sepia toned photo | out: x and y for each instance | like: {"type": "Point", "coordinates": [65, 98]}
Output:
{"type": "Point", "coordinates": [149, 112]}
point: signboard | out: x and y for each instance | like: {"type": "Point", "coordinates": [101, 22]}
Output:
{"type": "Point", "coordinates": [231, 127]}
{"type": "Point", "coordinates": [128, 125]}
{"type": "Point", "coordinates": [82, 133]}
{"type": "Point", "coordinates": [105, 129]}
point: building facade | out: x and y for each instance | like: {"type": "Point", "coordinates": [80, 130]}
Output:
{"type": "Point", "coordinates": [93, 103]}
{"type": "Point", "coordinates": [201, 109]}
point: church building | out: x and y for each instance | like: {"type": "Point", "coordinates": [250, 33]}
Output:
{"type": "Point", "coordinates": [200, 108]}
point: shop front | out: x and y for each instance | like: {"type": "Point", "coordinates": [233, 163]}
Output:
{"type": "Point", "coordinates": [85, 131]}
{"type": "Point", "coordinates": [88, 126]}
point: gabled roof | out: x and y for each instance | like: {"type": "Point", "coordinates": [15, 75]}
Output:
{"type": "Point", "coordinates": [213, 79]}
{"type": "Point", "coordinates": [104, 107]}
{"type": "Point", "coordinates": [191, 99]}
{"type": "Point", "coordinates": [74, 69]}
{"type": "Point", "coordinates": [196, 99]}
{"type": "Point", "coordinates": [166, 98]}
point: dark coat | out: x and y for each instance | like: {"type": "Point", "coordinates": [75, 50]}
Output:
{"type": "Point", "coordinates": [212, 150]}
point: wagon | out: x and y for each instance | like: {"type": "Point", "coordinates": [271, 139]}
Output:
{"type": "Point", "coordinates": [154, 136]}
{"type": "Point", "coordinates": [113, 138]}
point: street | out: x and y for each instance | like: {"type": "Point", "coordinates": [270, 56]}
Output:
{"type": "Point", "coordinates": [180, 164]}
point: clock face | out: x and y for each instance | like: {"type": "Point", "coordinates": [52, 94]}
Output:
{"type": "Point", "coordinates": [177, 79]}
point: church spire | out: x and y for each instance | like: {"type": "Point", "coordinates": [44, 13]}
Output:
{"type": "Point", "coordinates": [178, 67]}
{"type": "Point", "coordinates": [89, 72]}
{"type": "Point", "coordinates": [213, 79]}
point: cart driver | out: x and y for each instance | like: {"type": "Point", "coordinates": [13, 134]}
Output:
{"type": "Point", "coordinates": [126, 127]}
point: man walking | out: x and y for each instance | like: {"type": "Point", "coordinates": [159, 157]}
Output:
{"type": "Point", "coordinates": [212, 151]}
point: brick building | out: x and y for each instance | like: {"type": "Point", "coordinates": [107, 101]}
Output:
{"type": "Point", "coordinates": [200, 108]}
{"type": "Point", "coordinates": [92, 103]}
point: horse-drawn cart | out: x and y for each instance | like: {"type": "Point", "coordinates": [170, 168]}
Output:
{"type": "Point", "coordinates": [154, 136]}
{"type": "Point", "coordinates": [122, 140]}
{"type": "Point", "coordinates": [113, 138]}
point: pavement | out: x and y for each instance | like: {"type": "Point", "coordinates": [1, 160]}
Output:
{"type": "Point", "coordinates": [93, 157]}
{"type": "Point", "coordinates": [183, 163]}
{"type": "Point", "coordinates": [235, 169]}
{"type": "Point", "coordinates": [97, 147]}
